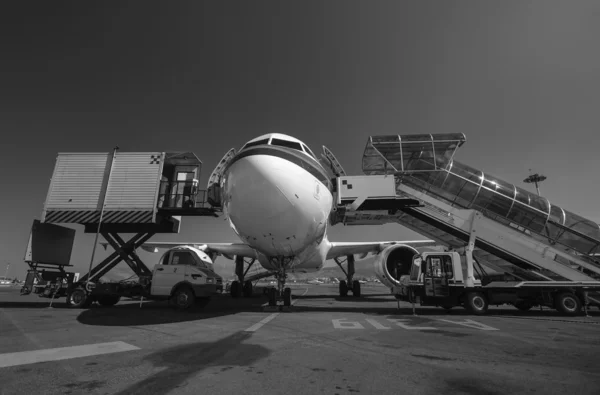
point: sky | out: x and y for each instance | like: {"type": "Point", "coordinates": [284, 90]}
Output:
{"type": "Point", "coordinates": [521, 79]}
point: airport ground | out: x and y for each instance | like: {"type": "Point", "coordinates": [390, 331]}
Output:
{"type": "Point", "coordinates": [326, 344]}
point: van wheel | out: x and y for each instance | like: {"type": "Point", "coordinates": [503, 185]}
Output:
{"type": "Point", "coordinates": [567, 303]}
{"type": "Point", "coordinates": [476, 303]}
{"type": "Point", "coordinates": [183, 298]}
{"type": "Point", "coordinates": [79, 299]}
{"type": "Point", "coordinates": [109, 300]}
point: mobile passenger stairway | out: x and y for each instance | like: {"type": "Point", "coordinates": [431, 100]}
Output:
{"type": "Point", "coordinates": [517, 232]}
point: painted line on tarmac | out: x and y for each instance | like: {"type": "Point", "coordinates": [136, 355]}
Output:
{"type": "Point", "coordinates": [295, 300]}
{"type": "Point", "coordinates": [262, 322]}
{"type": "Point", "coordinates": [57, 354]}
{"type": "Point", "coordinates": [406, 323]}
{"type": "Point", "coordinates": [545, 319]}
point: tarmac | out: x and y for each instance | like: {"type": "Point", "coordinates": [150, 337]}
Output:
{"type": "Point", "coordinates": [324, 345]}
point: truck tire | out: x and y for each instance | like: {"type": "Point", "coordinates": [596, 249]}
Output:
{"type": "Point", "coordinates": [79, 299]}
{"type": "Point", "coordinates": [109, 300]}
{"type": "Point", "coordinates": [567, 303]}
{"type": "Point", "coordinates": [183, 298]}
{"type": "Point", "coordinates": [476, 303]}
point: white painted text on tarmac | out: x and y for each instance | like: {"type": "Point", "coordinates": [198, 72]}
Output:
{"type": "Point", "coordinates": [405, 323]}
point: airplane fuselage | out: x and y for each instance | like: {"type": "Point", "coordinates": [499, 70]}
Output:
{"type": "Point", "coordinates": [278, 200]}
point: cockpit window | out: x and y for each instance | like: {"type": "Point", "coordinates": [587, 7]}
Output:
{"type": "Point", "coordinates": [257, 142]}
{"type": "Point", "coordinates": [285, 143]}
{"type": "Point", "coordinates": [308, 151]}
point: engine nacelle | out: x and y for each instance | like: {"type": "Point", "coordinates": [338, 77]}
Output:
{"type": "Point", "coordinates": [393, 262]}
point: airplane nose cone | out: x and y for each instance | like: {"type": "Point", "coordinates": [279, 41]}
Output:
{"type": "Point", "coordinates": [258, 205]}
{"type": "Point", "coordinates": [253, 190]}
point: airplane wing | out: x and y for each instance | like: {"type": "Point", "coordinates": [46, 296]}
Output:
{"type": "Point", "coordinates": [363, 249]}
{"type": "Point", "coordinates": [228, 250]}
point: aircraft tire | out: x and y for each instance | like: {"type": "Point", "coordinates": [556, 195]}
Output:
{"type": "Point", "coordinates": [343, 288]}
{"type": "Point", "coordinates": [287, 297]}
{"type": "Point", "coordinates": [272, 297]}
{"type": "Point", "coordinates": [356, 288]}
{"type": "Point", "coordinates": [235, 289]}
{"type": "Point", "coordinates": [247, 290]}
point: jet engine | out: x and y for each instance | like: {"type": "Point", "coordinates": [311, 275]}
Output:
{"type": "Point", "coordinates": [393, 262]}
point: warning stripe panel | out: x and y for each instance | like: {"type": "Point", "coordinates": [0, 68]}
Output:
{"type": "Point", "coordinates": [93, 216]}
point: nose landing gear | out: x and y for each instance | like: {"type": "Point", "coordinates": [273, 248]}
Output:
{"type": "Point", "coordinates": [281, 293]}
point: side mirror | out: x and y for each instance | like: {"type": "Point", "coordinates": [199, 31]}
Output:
{"type": "Point", "coordinates": [417, 260]}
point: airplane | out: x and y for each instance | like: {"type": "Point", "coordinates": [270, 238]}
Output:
{"type": "Point", "coordinates": [278, 199]}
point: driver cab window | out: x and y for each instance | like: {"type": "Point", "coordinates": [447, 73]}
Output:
{"type": "Point", "coordinates": [439, 266]}
{"type": "Point", "coordinates": [182, 258]}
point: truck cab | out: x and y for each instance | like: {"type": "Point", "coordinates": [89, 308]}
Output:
{"type": "Point", "coordinates": [439, 279]}
{"type": "Point", "coordinates": [184, 274]}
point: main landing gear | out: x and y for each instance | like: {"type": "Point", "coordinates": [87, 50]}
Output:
{"type": "Point", "coordinates": [241, 287]}
{"type": "Point", "coordinates": [281, 293]}
{"type": "Point", "coordinates": [349, 284]}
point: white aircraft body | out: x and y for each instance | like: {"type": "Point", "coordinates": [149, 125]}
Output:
{"type": "Point", "coordinates": [278, 199]}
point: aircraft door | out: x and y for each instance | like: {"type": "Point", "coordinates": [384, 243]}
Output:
{"type": "Point", "coordinates": [438, 270]}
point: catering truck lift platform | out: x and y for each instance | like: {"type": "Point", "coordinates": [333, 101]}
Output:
{"type": "Point", "coordinates": [143, 193]}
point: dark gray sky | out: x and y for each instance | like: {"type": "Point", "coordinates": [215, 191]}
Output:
{"type": "Point", "coordinates": [520, 78]}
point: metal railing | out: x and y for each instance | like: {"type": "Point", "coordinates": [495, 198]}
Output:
{"type": "Point", "coordinates": [181, 194]}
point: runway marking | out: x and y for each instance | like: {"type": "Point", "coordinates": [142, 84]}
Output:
{"type": "Point", "coordinates": [295, 300]}
{"type": "Point", "coordinates": [341, 323]}
{"type": "Point", "coordinates": [471, 324]}
{"type": "Point", "coordinates": [57, 354]}
{"type": "Point", "coordinates": [376, 324]}
{"type": "Point", "coordinates": [404, 323]}
{"type": "Point", "coordinates": [259, 324]}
